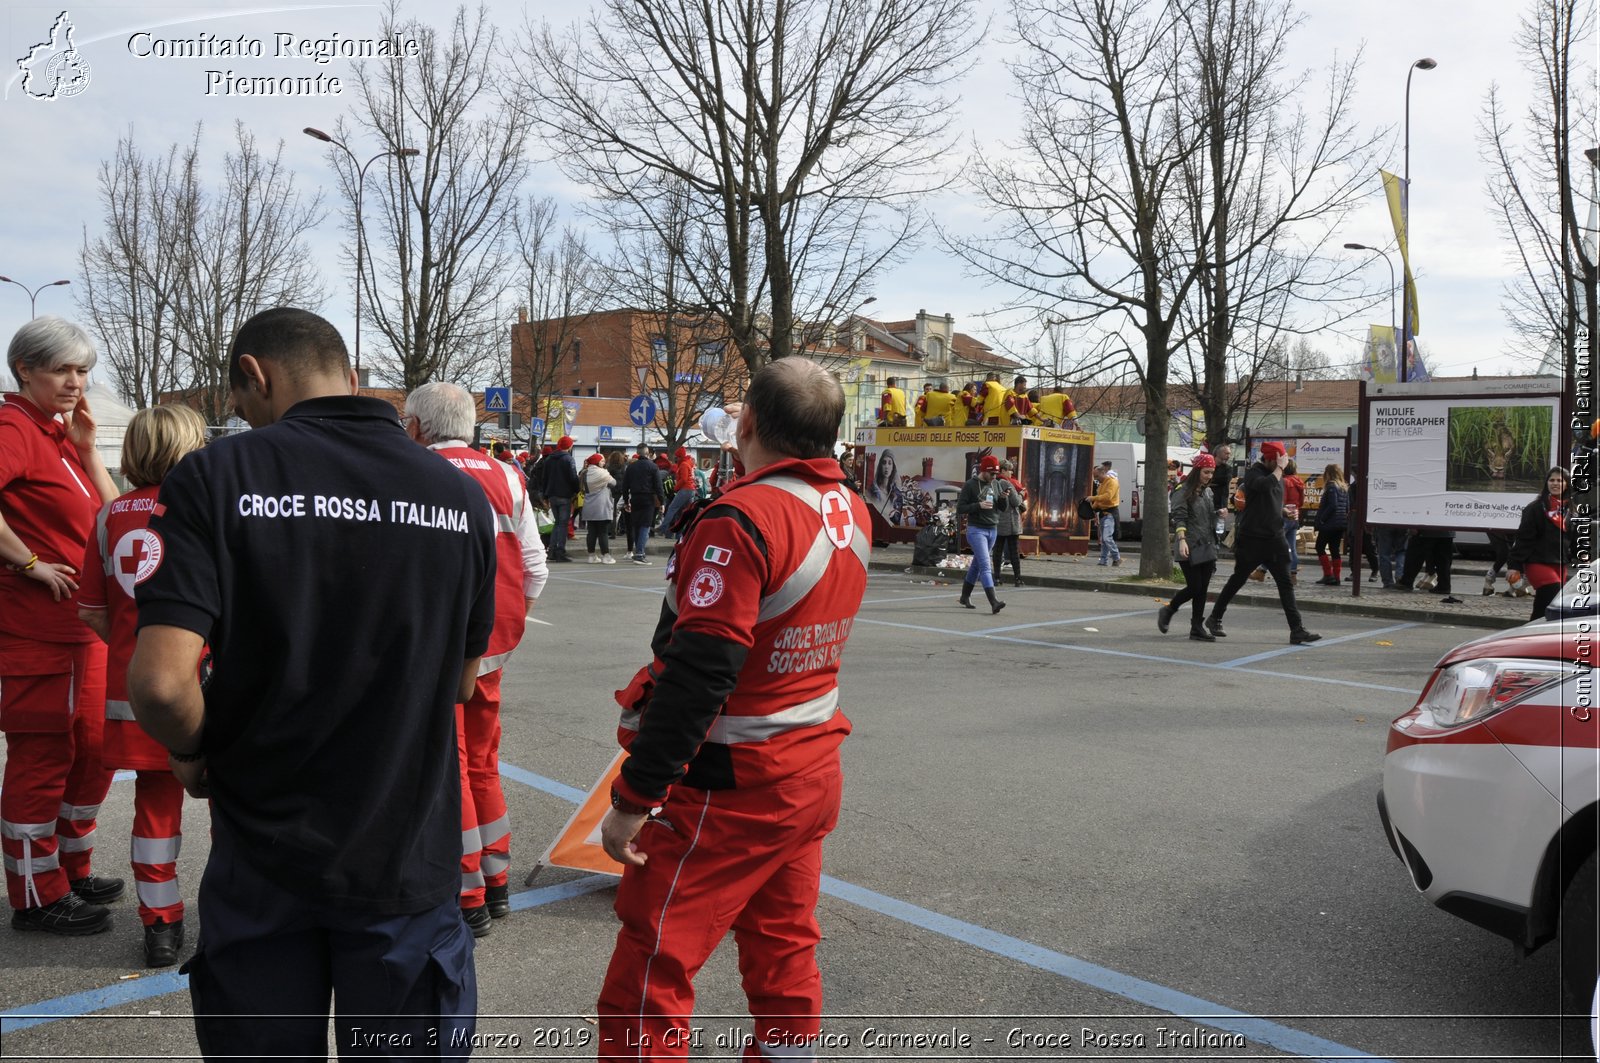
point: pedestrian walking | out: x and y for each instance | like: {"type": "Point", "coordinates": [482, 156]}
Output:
{"type": "Point", "coordinates": [1193, 515]}
{"type": "Point", "coordinates": [599, 508]}
{"type": "Point", "coordinates": [344, 578]}
{"type": "Point", "coordinates": [156, 439]}
{"type": "Point", "coordinates": [440, 416]}
{"type": "Point", "coordinates": [732, 778]}
{"type": "Point", "coordinates": [1105, 500]}
{"type": "Point", "coordinates": [1259, 542]}
{"type": "Point", "coordinates": [1008, 527]}
{"type": "Point", "coordinates": [642, 489]}
{"type": "Point", "coordinates": [982, 499]}
{"type": "Point", "coordinates": [559, 487]}
{"type": "Point", "coordinates": [52, 667]}
{"type": "Point", "coordinates": [1294, 493]}
{"type": "Point", "coordinates": [1333, 517]}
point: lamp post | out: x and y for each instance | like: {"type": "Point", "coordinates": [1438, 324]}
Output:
{"type": "Point", "coordinates": [1393, 335]}
{"type": "Point", "coordinates": [1405, 227]}
{"type": "Point", "coordinates": [1591, 288]}
{"type": "Point", "coordinates": [33, 294]}
{"type": "Point", "coordinates": [361, 233]}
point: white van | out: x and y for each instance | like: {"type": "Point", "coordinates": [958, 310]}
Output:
{"type": "Point", "coordinates": [1127, 460]}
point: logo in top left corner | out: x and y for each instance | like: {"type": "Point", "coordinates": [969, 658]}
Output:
{"type": "Point", "coordinates": [54, 69]}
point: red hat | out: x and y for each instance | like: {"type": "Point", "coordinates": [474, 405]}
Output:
{"type": "Point", "coordinates": [1271, 452]}
{"type": "Point", "coordinates": [662, 462]}
{"type": "Point", "coordinates": [564, 443]}
{"type": "Point", "coordinates": [594, 459]}
{"type": "Point", "coordinates": [547, 449]}
{"type": "Point", "coordinates": [1204, 461]}
{"type": "Point", "coordinates": [682, 453]}
{"type": "Point", "coordinates": [522, 455]}
{"type": "Point", "coordinates": [989, 463]}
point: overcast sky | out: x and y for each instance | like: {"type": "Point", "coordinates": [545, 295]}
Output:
{"type": "Point", "coordinates": [53, 148]}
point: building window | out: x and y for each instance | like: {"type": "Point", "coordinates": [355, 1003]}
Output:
{"type": "Point", "coordinates": [935, 349]}
{"type": "Point", "coordinates": [710, 353]}
{"type": "Point", "coordinates": [658, 348]}
{"type": "Point", "coordinates": [577, 353]}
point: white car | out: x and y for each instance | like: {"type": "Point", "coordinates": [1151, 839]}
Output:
{"type": "Point", "coordinates": [1490, 788]}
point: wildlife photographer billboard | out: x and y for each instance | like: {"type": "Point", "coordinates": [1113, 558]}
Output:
{"type": "Point", "coordinates": [1469, 462]}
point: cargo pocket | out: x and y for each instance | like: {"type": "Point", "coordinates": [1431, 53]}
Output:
{"type": "Point", "coordinates": [37, 687]}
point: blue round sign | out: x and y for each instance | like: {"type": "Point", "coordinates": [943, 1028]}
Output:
{"type": "Point", "coordinates": [642, 410]}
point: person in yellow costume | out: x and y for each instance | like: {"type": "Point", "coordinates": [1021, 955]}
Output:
{"type": "Point", "coordinates": [892, 407]}
{"type": "Point", "coordinates": [935, 408]}
{"type": "Point", "coordinates": [994, 400]}
{"type": "Point", "coordinates": [1057, 410]}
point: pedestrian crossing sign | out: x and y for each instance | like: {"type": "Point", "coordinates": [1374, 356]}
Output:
{"type": "Point", "coordinates": [497, 400]}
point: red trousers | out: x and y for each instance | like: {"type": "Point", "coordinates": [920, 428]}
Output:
{"type": "Point", "coordinates": [54, 779]}
{"type": "Point", "coordinates": [157, 838]}
{"type": "Point", "coordinates": [485, 827]}
{"type": "Point", "coordinates": [746, 860]}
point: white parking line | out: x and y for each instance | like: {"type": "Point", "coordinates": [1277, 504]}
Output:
{"type": "Point", "coordinates": [1269, 654]}
{"type": "Point", "coordinates": [1067, 620]}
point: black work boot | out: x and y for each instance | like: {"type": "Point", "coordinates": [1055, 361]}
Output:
{"type": "Point", "coordinates": [995, 604]}
{"type": "Point", "coordinates": [477, 920]}
{"type": "Point", "coordinates": [498, 900]}
{"type": "Point", "coordinates": [162, 943]}
{"type": "Point", "coordinates": [97, 890]}
{"type": "Point", "coordinates": [71, 916]}
{"type": "Point", "coordinates": [966, 596]}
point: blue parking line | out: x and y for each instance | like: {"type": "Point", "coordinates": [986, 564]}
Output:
{"type": "Point", "coordinates": [1269, 654]}
{"type": "Point", "coordinates": [1160, 997]}
{"type": "Point", "coordinates": [76, 1005]}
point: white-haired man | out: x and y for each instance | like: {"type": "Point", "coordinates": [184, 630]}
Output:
{"type": "Point", "coordinates": [441, 417]}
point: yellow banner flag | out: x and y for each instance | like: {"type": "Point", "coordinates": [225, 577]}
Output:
{"type": "Point", "coordinates": [1394, 191]}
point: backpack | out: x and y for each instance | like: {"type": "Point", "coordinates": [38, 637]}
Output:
{"type": "Point", "coordinates": [1085, 509]}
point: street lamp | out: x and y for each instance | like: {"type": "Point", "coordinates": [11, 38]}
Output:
{"type": "Point", "coordinates": [1405, 225]}
{"type": "Point", "coordinates": [33, 295]}
{"type": "Point", "coordinates": [1390, 263]}
{"type": "Point", "coordinates": [361, 234]}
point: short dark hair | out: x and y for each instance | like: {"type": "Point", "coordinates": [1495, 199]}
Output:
{"type": "Point", "coordinates": [300, 341]}
{"type": "Point", "coordinates": [798, 408]}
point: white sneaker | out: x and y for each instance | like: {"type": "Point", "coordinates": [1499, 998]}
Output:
{"type": "Point", "coordinates": [594, 559]}
{"type": "Point", "coordinates": [1426, 581]}
{"type": "Point", "coordinates": [607, 559]}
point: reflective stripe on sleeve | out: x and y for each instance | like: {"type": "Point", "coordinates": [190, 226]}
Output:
{"type": "Point", "coordinates": [495, 663]}
{"type": "Point", "coordinates": [505, 523]}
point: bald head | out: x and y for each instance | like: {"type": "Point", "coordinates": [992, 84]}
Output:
{"type": "Point", "coordinates": [798, 407]}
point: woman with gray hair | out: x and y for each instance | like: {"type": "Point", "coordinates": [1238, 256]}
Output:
{"type": "Point", "coordinates": [52, 667]}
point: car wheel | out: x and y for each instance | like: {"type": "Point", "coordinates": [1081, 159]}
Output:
{"type": "Point", "coordinates": [1579, 964]}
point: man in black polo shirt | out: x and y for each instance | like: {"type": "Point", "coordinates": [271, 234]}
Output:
{"type": "Point", "coordinates": [344, 579]}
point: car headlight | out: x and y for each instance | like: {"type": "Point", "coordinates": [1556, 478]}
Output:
{"type": "Point", "coordinates": [1473, 691]}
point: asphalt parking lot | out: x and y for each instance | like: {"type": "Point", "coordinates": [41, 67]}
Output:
{"type": "Point", "coordinates": [1065, 836]}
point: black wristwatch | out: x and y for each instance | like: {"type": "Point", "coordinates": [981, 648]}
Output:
{"type": "Point", "coordinates": [626, 807]}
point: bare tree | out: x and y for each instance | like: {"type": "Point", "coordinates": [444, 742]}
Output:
{"type": "Point", "coordinates": [245, 252]}
{"type": "Point", "coordinates": [134, 271]}
{"type": "Point", "coordinates": [692, 364]}
{"type": "Point", "coordinates": [562, 285]}
{"type": "Point", "coordinates": [797, 128]}
{"type": "Point", "coordinates": [1168, 202]}
{"type": "Point", "coordinates": [1532, 185]}
{"type": "Point", "coordinates": [438, 264]}
{"type": "Point", "coordinates": [1264, 192]}
{"type": "Point", "coordinates": [178, 267]}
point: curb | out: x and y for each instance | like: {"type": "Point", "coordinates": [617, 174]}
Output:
{"type": "Point", "coordinates": [1306, 605]}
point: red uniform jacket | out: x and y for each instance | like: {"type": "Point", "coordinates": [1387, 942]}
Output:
{"type": "Point", "coordinates": [762, 593]}
{"type": "Point", "coordinates": [510, 609]}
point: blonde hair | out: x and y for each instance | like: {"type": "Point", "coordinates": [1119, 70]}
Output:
{"type": "Point", "coordinates": [1333, 475]}
{"type": "Point", "coordinates": [157, 438]}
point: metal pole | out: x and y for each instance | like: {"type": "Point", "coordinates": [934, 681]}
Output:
{"type": "Point", "coordinates": [1405, 226]}
{"type": "Point", "coordinates": [33, 294]}
{"type": "Point", "coordinates": [1390, 263]}
{"type": "Point", "coordinates": [361, 231]}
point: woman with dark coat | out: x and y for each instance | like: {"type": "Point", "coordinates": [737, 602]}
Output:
{"type": "Point", "coordinates": [1541, 548]}
{"type": "Point", "coordinates": [1333, 517]}
{"type": "Point", "coordinates": [1193, 513]}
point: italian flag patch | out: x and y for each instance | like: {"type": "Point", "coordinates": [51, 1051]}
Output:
{"type": "Point", "coordinates": [718, 556]}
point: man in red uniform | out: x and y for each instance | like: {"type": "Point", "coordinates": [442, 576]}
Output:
{"type": "Point", "coordinates": [733, 731]}
{"type": "Point", "coordinates": [440, 417]}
